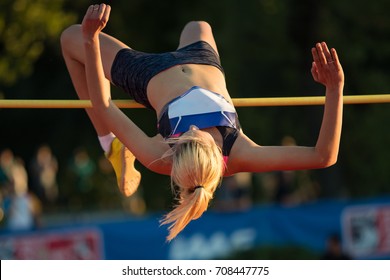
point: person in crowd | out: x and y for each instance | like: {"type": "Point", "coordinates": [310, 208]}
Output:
{"type": "Point", "coordinates": [334, 249]}
{"type": "Point", "coordinates": [43, 174]}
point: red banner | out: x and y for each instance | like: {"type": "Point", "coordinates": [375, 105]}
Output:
{"type": "Point", "coordinates": [63, 245]}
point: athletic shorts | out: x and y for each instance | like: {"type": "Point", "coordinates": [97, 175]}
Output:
{"type": "Point", "coordinates": [132, 70]}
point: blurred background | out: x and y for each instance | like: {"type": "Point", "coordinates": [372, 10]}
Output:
{"type": "Point", "coordinates": [59, 198]}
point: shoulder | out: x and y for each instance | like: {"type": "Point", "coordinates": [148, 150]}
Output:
{"type": "Point", "coordinates": [239, 154]}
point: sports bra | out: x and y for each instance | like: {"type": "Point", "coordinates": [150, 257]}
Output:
{"type": "Point", "coordinates": [204, 109]}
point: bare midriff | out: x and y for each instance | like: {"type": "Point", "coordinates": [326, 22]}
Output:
{"type": "Point", "coordinates": [176, 80]}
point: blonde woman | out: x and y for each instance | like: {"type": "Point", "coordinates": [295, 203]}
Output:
{"type": "Point", "coordinates": [199, 137]}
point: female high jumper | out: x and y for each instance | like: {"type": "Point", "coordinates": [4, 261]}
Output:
{"type": "Point", "coordinates": [199, 137]}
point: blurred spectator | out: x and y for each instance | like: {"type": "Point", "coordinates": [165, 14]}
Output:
{"type": "Point", "coordinates": [334, 250]}
{"type": "Point", "coordinates": [134, 204]}
{"type": "Point", "coordinates": [43, 175]}
{"type": "Point", "coordinates": [234, 193]}
{"type": "Point", "coordinates": [22, 208]}
{"type": "Point", "coordinates": [290, 187]}
{"type": "Point", "coordinates": [6, 164]}
{"type": "Point", "coordinates": [285, 180]}
{"type": "Point", "coordinates": [83, 169]}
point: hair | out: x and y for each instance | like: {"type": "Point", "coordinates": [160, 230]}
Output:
{"type": "Point", "coordinates": [197, 170]}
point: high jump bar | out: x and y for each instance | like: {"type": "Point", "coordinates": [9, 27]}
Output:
{"type": "Point", "coordinates": [238, 102]}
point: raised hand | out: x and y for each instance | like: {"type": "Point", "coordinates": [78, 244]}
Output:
{"type": "Point", "coordinates": [95, 20]}
{"type": "Point", "coordinates": [326, 68]}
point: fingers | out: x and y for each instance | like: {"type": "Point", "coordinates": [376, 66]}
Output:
{"type": "Point", "coordinates": [336, 59]}
{"type": "Point", "coordinates": [327, 54]}
{"type": "Point", "coordinates": [326, 68]}
{"type": "Point", "coordinates": [95, 8]}
{"type": "Point", "coordinates": [89, 10]}
{"type": "Point", "coordinates": [95, 19]}
{"type": "Point", "coordinates": [99, 9]}
{"type": "Point", "coordinates": [106, 13]}
{"type": "Point", "coordinates": [318, 56]}
{"type": "Point", "coordinates": [322, 55]}
{"type": "Point", "coordinates": [314, 71]}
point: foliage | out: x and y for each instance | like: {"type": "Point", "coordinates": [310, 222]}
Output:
{"type": "Point", "coordinates": [25, 28]}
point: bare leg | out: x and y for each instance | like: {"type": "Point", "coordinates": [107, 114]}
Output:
{"type": "Point", "coordinates": [73, 51]}
{"type": "Point", "coordinates": [197, 31]}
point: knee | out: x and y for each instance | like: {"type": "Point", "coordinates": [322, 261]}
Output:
{"type": "Point", "coordinates": [69, 35]}
{"type": "Point", "coordinates": [198, 25]}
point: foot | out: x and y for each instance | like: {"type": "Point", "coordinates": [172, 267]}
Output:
{"type": "Point", "coordinates": [122, 160]}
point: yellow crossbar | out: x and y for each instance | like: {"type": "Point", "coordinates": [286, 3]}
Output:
{"type": "Point", "coordinates": [238, 102]}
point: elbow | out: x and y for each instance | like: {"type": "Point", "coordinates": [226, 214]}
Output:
{"type": "Point", "coordinates": [101, 105]}
{"type": "Point", "coordinates": [326, 157]}
{"type": "Point", "coordinates": [330, 163]}
{"type": "Point", "coordinates": [105, 112]}
{"type": "Point", "coordinates": [327, 161]}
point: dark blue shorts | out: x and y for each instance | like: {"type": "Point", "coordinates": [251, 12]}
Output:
{"type": "Point", "coordinates": [132, 70]}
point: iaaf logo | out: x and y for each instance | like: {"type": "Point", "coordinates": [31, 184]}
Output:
{"type": "Point", "coordinates": [366, 230]}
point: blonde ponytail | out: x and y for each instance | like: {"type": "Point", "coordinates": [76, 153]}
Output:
{"type": "Point", "coordinates": [197, 170]}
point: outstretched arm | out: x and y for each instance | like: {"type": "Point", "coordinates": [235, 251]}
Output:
{"type": "Point", "coordinates": [327, 70]}
{"type": "Point", "coordinates": [248, 156]}
{"type": "Point", "coordinates": [147, 150]}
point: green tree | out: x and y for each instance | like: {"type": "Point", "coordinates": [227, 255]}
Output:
{"type": "Point", "coordinates": [25, 27]}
